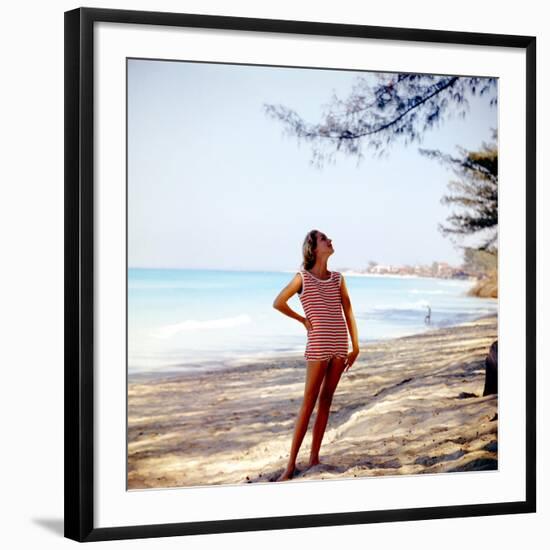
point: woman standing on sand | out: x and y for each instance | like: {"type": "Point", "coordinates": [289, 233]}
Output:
{"type": "Point", "coordinates": [323, 295]}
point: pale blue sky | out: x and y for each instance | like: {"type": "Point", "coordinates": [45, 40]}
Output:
{"type": "Point", "coordinates": [213, 183]}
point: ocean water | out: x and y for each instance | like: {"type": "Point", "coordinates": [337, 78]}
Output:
{"type": "Point", "coordinates": [182, 319]}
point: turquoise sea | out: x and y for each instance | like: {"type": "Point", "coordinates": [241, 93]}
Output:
{"type": "Point", "coordinates": [181, 319]}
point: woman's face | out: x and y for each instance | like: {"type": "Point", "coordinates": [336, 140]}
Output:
{"type": "Point", "coordinates": [324, 244]}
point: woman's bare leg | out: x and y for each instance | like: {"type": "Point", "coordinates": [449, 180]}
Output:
{"type": "Point", "coordinates": [314, 377]}
{"type": "Point", "coordinates": [332, 377]}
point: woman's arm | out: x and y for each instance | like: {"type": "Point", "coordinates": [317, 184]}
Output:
{"type": "Point", "coordinates": [280, 302]}
{"type": "Point", "coordinates": [348, 312]}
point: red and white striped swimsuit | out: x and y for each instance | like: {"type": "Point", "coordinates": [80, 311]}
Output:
{"type": "Point", "coordinates": [322, 305]}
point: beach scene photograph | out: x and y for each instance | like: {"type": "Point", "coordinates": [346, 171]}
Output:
{"type": "Point", "coordinates": [312, 274]}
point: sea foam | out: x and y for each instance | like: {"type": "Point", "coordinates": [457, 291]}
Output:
{"type": "Point", "coordinates": [169, 331]}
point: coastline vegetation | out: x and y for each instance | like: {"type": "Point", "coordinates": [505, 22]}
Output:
{"type": "Point", "coordinates": [487, 287]}
{"type": "Point", "coordinates": [485, 264]}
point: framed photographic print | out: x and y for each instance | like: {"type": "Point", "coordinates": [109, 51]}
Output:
{"type": "Point", "coordinates": [300, 274]}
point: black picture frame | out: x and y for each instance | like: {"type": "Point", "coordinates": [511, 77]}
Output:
{"type": "Point", "coordinates": [79, 273]}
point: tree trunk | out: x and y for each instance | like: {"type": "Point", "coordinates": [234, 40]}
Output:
{"type": "Point", "coordinates": [491, 370]}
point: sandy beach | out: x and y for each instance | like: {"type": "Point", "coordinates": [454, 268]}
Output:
{"type": "Point", "coordinates": [409, 405]}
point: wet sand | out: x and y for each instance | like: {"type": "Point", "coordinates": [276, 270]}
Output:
{"type": "Point", "coordinates": [409, 405]}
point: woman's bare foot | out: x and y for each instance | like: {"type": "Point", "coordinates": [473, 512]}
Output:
{"type": "Point", "coordinates": [287, 474]}
{"type": "Point", "coordinates": [313, 462]}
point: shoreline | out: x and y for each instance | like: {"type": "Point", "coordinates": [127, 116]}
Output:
{"type": "Point", "coordinates": [252, 362]}
{"type": "Point", "coordinates": [408, 405]}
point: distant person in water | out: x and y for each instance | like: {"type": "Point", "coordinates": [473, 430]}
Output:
{"type": "Point", "coordinates": [428, 318]}
{"type": "Point", "coordinates": [324, 297]}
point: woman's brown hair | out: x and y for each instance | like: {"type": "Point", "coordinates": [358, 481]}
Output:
{"type": "Point", "coordinates": [308, 249]}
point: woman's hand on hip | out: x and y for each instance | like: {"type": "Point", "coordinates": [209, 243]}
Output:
{"type": "Point", "coordinates": [307, 324]}
{"type": "Point", "coordinates": [352, 356]}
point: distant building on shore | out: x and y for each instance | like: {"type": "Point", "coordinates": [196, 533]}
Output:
{"type": "Point", "coordinates": [441, 270]}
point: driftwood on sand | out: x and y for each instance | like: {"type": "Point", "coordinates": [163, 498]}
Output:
{"type": "Point", "coordinates": [491, 370]}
